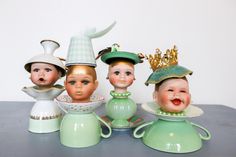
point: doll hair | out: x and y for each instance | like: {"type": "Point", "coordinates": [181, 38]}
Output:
{"type": "Point", "coordinates": [84, 69]}
{"type": "Point", "coordinates": [120, 60]}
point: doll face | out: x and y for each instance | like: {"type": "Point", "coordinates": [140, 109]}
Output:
{"type": "Point", "coordinates": [44, 75]}
{"type": "Point", "coordinates": [80, 87]}
{"type": "Point", "coordinates": [173, 95]}
{"type": "Point", "coordinates": [121, 75]}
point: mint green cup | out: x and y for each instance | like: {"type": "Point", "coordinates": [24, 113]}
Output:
{"type": "Point", "coordinates": [178, 136]}
{"type": "Point", "coordinates": [82, 130]}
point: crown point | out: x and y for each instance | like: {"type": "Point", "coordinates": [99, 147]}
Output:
{"type": "Point", "coordinates": [158, 61]}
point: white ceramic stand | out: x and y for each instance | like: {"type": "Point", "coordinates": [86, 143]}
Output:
{"type": "Point", "coordinates": [45, 116]}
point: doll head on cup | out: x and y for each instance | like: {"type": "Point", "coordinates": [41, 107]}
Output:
{"type": "Point", "coordinates": [172, 94]}
{"type": "Point", "coordinates": [121, 67]}
{"type": "Point", "coordinates": [81, 78]}
{"type": "Point", "coordinates": [171, 85]}
{"type": "Point", "coordinates": [81, 82]}
{"type": "Point", "coordinates": [44, 75]}
{"type": "Point", "coordinates": [45, 69]}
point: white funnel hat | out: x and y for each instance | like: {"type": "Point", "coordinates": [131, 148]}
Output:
{"type": "Point", "coordinates": [81, 48]}
{"type": "Point", "coordinates": [47, 57]}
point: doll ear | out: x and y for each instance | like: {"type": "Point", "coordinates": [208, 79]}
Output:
{"type": "Point", "coordinates": [59, 74]}
{"type": "Point", "coordinates": [96, 84]}
{"type": "Point", "coordinates": [65, 83]}
{"type": "Point", "coordinates": [154, 96]}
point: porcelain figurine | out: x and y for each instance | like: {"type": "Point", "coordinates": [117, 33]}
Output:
{"type": "Point", "coordinates": [45, 69]}
{"type": "Point", "coordinates": [121, 75]}
{"type": "Point", "coordinates": [171, 132]}
{"type": "Point", "coordinates": [80, 127]}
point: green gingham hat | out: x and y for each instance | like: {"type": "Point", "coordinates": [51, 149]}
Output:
{"type": "Point", "coordinates": [81, 48]}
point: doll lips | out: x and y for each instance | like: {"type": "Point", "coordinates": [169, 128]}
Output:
{"type": "Point", "coordinates": [176, 102]}
{"type": "Point", "coordinates": [41, 79]}
{"type": "Point", "coordinates": [79, 93]}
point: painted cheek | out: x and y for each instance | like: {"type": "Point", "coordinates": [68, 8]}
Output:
{"type": "Point", "coordinates": [69, 89]}
{"type": "Point", "coordinates": [113, 80]}
{"type": "Point", "coordinates": [130, 79]}
{"type": "Point", "coordinates": [188, 99]}
{"type": "Point", "coordinates": [164, 98]}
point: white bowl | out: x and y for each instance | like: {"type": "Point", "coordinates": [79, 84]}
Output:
{"type": "Point", "coordinates": [189, 112]}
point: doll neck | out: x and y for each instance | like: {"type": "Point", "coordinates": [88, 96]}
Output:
{"type": "Point", "coordinates": [120, 90]}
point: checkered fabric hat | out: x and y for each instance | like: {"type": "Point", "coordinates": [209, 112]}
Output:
{"type": "Point", "coordinates": [81, 48]}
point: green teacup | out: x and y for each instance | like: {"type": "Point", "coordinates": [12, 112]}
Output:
{"type": "Point", "coordinates": [80, 127]}
{"type": "Point", "coordinates": [178, 136]}
{"type": "Point", "coordinates": [82, 130]}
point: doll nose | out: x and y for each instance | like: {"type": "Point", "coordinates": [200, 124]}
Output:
{"type": "Point", "coordinates": [176, 95]}
{"type": "Point", "coordinates": [122, 76]}
{"type": "Point", "coordinates": [41, 73]}
{"type": "Point", "coordinates": [78, 85]}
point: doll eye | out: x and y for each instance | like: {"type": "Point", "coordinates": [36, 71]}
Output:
{"type": "Point", "coordinates": [85, 82]}
{"type": "Point", "coordinates": [36, 70]}
{"type": "Point", "coordinates": [170, 90]}
{"type": "Point", "coordinates": [116, 72]}
{"type": "Point", "coordinates": [72, 82]}
{"type": "Point", "coordinates": [183, 91]}
{"type": "Point", "coordinates": [48, 69]}
{"type": "Point", "coordinates": [128, 73]}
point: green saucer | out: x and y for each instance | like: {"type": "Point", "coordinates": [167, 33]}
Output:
{"type": "Point", "coordinates": [133, 122]}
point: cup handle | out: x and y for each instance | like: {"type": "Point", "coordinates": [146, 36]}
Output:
{"type": "Point", "coordinates": [109, 128]}
{"type": "Point", "coordinates": [140, 127]}
{"type": "Point", "coordinates": [208, 134]}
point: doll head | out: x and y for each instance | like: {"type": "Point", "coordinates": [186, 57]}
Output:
{"type": "Point", "coordinates": [172, 94]}
{"type": "Point", "coordinates": [45, 69]}
{"type": "Point", "coordinates": [121, 67]}
{"type": "Point", "coordinates": [44, 75]}
{"type": "Point", "coordinates": [121, 75]}
{"type": "Point", "coordinates": [171, 85]}
{"type": "Point", "coordinates": [81, 82]}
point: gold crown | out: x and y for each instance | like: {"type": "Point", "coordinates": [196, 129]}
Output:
{"type": "Point", "coordinates": [158, 61]}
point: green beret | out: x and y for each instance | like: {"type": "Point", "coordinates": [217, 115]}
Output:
{"type": "Point", "coordinates": [114, 55]}
{"type": "Point", "coordinates": [173, 71]}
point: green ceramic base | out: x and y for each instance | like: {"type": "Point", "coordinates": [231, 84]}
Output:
{"type": "Point", "coordinates": [78, 144]}
{"type": "Point", "coordinates": [80, 130]}
{"type": "Point", "coordinates": [133, 122]}
{"type": "Point", "coordinates": [44, 126]}
{"type": "Point", "coordinates": [173, 137]}
{"type": "Point", "coordinates": [120, 123]}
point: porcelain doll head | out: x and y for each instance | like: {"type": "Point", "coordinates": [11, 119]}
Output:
{"type": "Point", "coordinates": [81, 82]}
{"type": "Point", "coordinates": [121, 75]}
{"type": "Point", "coordinates": [45, 69]}
{"type": "Point", "coordinates": [121, 68]}
{"type": "Point", "coordinates": [44, 75]}
{"type": "Point", "coordinates": [171, 86]}
{"type": "Point", "coordinates": [172, 94]}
